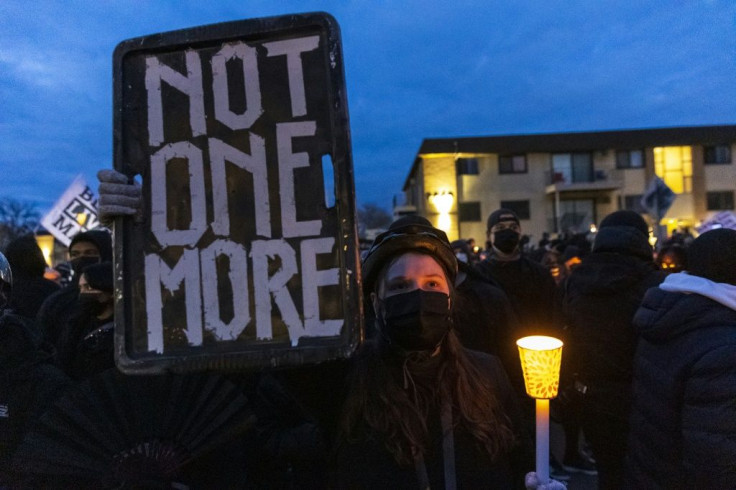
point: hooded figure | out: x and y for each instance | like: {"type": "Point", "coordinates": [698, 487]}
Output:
{"type": "Point", "coordinates": [86, 248]}
{"type": "Point", "coordinates": [683, 420]}
{"type": "Point", "coordinates": [423, 411]}
{"type": "Point", "coordinates": [30, 288]}
{"type": "Point", "coordinates": [599, 300]}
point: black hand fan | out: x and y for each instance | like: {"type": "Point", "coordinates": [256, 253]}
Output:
{"type": "Point", "coordinates": [117, 428]}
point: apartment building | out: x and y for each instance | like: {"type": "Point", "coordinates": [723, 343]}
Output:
{"type": "Point", "coordinates": [567, 182]}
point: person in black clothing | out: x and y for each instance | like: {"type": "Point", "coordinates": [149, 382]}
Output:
{"type": "Point", "coordinates": [683, 419]}
{"type": "Point", "coordinates": [422, 410]}
{"type": "Point", "coordinates": [482, 315]}
{"type": "Point", "coordinates": [30, 288]}
{"type": "Point", "coordinates": [29, 383]}
{"type": "Point", "coordinates": [529, 287]}
{"type": "Point", "coordinates": [528, 284]}
{"type": "Point", "coordinates": [86, 248]}
{"type": "Point", "coordinates": [86, 345]}
{"type": "Point", "coordinates": [599, 300]}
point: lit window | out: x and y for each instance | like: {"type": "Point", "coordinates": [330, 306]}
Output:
{"type": "Point", "coordinates": [674, 165]}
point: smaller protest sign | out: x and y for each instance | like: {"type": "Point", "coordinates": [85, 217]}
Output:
{"type": "Point", "coordinates": [74, 212]}
{"type": "Point", "coordinates": [724, 219]}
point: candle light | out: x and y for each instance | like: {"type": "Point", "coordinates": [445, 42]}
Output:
{"type": "Point", "coordinates": [540, 360]}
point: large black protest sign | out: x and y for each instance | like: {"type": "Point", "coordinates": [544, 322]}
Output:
{"type": "Point", "coordinates": [245, 254]}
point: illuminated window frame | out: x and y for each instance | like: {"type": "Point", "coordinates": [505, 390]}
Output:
{"type": "Point", "coordinates": [674, 165]}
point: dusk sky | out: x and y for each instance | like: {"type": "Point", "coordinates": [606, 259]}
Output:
{"type": "Point", "coordinates": [414, 70]}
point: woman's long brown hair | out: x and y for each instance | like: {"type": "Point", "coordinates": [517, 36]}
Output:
{"type": "Point", "coordinates": [380, 403]}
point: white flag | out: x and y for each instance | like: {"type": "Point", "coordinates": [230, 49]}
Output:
{"type": "Point", "coordinates": [74, 212]}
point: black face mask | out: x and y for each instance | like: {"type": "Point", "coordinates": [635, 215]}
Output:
{"type": "Point", "coordinates": [506, 240]}
{"type": "Point", "coordinates": [79, 263]}
{"type": "Point", "coordinates": [90, 303]}
{"type": "Point", "coordinates": [415, 321]}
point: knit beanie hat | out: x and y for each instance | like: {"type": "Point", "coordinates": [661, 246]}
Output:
{"type": "Point", "coordinates": [408, 234]}
{"type": "Point", "coordinates": [713, 256]}
{"type": "Point", "coordinates": [626, 218]}
{"type": "Point", "coordinates": [99, 276]}
{"type": "Point", "coordinates": [499, 215]}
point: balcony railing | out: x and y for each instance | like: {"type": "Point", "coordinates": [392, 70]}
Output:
{"type": "Point", "coordinates": [599, 180]}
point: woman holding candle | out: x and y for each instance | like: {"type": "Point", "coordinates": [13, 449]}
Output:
{"type": "Point", "coordinates": [423, 411]}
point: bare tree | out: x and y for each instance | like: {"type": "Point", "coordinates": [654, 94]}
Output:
{"type": "Point", "coordinates": [372, 216]}
{"type": "Point", "coordinates": [17, 218]}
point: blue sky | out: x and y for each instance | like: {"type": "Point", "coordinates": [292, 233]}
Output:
{"type": "Point", "coordinates": [414, 70]}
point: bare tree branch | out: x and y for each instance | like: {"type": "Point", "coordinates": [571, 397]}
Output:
{"type": "Point", "coordinates": [17, 218]}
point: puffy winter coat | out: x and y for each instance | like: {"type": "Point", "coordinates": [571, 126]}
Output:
{"type": "Point", "coordinates": [683, 417]}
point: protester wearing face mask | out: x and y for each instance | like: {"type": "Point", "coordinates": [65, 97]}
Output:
{"type": "Point", "coordinates": [423, 411]}
{"type": "Point", "coordinates": [86, 345]}
{"type": "Point", "coordinates": [86, 248]}
{"type": "Point", "coordinates": [530, 288]}
{"type": "Point", "coordinates": [528, 284]}
{"type": "Point", "coordinates": [482, 314]}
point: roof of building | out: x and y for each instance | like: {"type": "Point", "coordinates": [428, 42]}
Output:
{"type": "Point", "coordinates": [577, 141]}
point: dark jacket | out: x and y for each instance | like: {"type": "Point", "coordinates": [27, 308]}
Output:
{"type": "Point", "coordinates": [482, 315]}
{"type": "Point", "coordinates": [599, 301]}
{"type": "Point", "coordinates": [55, 312]}
{"type": "Point", "coordinates": [530, 289]}
{"type": "Point", "coordinates": [29, 293]}
{"type": "Point", "coordinates": [683, 419]}
{"type": "Point", "coordinates": [28, 383]}
{"type": "Point", "coordinates": [366, 464]}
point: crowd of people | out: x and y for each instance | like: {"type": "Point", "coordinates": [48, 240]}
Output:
{"type": "Point", "coordinates": [434, 397]}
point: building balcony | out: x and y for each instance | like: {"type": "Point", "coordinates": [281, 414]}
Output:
{"type": "Point", "coordinates": [600, 180]}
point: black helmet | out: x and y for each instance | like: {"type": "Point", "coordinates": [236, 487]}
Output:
{"type": "Point", "coordinates": [407, 234]}
{"type": "Point", "coordinates": [6, 281]}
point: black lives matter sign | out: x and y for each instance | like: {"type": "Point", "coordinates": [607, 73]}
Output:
{"type": "Point", "coordinates": [245, 252]}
